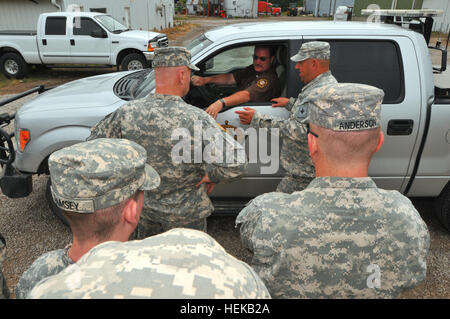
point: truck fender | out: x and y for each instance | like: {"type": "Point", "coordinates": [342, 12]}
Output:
{"type": "Point", "coordinates": [38, 151]}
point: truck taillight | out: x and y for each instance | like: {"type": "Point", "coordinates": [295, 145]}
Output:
{"type": "Point", "coordinates": [24, 138]}
{"type": "Point", "coordinates": [152, 46]}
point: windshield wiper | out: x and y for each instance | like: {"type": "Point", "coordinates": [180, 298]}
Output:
{"type": "Point", "coordinates": [120, 31]}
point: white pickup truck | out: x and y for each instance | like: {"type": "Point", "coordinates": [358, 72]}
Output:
{"type": "Point", "coordinates": [88, 38]}
{"type": "Point", "coordinates": [414, 159]}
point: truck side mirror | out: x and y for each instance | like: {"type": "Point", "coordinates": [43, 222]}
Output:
{"type": "Point", "coordinates": [99, 33]}
{"type": "Point", "coordinates": [443, 65]}
{"type": "Point", "coordinates": [209, 64]}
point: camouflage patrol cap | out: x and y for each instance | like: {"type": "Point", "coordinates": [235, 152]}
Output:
{"type": "Point", "coordinates": [173, 56]}
{"type": "Point", "coordinates": [99, 174]}
{"type": "Point", "coordinates": [345, 106]}
{"type": "Point", "coordinates": [313, 50]}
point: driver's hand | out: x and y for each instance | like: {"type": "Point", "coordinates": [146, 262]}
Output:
{"type": "Point", "coordinates": [197, 80]}
{"type": "Point", "coordinates": [279, 101]}
{"type": "Point", "coordinates": [214, 109]}
{"type": "Point", "coordinates": [246, 116]}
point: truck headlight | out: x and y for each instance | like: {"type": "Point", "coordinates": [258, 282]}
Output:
{"type": "Point", "coordinates": [152, 46]}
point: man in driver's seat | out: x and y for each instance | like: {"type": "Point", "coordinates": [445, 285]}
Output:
{"type": "Point", "coordinates": [256, 83]}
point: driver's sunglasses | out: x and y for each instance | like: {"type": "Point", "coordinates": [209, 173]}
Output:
{"type": "Point", "coordinates": [308, 131]}
{"type": "Point", "coordinates": [262, 58]}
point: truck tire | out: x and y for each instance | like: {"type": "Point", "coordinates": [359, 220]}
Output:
{"type": "Point", "coordinates": [442, 207]}
{"type": "Point", "coordinates": [134, 61]}
{"type": "Point", "coordinates": [13, 65]}
{"type": "Point", "coordinates": [51, 204]}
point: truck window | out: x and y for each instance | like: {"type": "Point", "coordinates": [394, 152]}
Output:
{"type": "Point", "coordinates": [376, 63]}
{"type": "Point", "coordinates": [84, 27]}
{"type": "Point", "coordinates": [55, 26]}
{"type": "Point", "coordinates": [233, 59]}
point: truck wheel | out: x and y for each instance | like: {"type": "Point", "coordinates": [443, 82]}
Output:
{"type": "Point", "coordinates": [442, 207]}
{"type": "Point", "coordinates": [55, 209]}
{"type": "Point", "coordinates": [13, 65]}
{"type": "Point", "coordinates": [133, 61]}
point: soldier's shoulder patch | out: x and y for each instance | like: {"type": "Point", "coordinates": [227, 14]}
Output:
{"type": "Point", "coordinates": [262, 83]}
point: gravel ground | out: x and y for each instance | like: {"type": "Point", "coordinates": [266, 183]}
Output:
{"type": "Point", "coordinates": [31, 229]}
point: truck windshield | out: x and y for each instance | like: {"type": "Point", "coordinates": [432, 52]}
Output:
{"type": "Point", "coordinates": [111, 24]}
{"type": "Point", "coordinates": [148, 84]}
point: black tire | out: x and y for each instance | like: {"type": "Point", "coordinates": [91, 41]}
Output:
{"type": "Point", "coordinates": [134, 61]}
{"type": "Point", "coordinates": [55, 209]}
{"type": "Point", "coordinates": [12, 65]}
{"type": "Point", "coordinates": [442, 207]}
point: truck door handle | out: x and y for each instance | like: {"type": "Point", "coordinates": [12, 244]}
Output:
{"type": "Point", "coordinates": [44, 42]}
{"type": "Point", "coordinates": [72, 42]}
{"type": "Point", "coordinates": [400, 127]}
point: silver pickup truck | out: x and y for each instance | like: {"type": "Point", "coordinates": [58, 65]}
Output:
{"type": "Point", "coordinates": [415, 158]}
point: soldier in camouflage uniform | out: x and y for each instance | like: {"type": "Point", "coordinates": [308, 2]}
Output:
{"type": "Point", "coordinates": [178, 264]}
{"type": "Point", "coordinates": [341, 237]}
{"type": "Point", "coordinates": [4, 291]}
{"type": "Point", "coordinates": [99, 186]}
{"type": "Point", "coordinates": [313, 64]}
{"type": "Point", "coordinates": [182, 198]}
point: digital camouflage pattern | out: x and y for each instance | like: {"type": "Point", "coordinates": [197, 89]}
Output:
{"type": "Point", "coordinates": [294, 155]}
{"type": "Point", "coordinates": [99, 174]}
{"type": "Point", "coordinates": [321, 242]}
{"type": "Point", "coordinates": [47, 265]}
{"type": "Point", "coordinates": [173, 56]}
{"type": "Point", "coordinates": [345, 107]}
{"type": "Point", "coordinates": [4, 291]}
{"type": "Point", "coordinates": [313, 50]}
{"type": "Point", "coordinates": [180, 263]}
{"type": "Point", "coordinates": [150, 122]}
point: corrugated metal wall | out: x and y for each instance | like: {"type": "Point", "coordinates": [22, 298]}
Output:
{"type": "Point", "coordinates": [22, 14]}
{"type": "Point", "coordinates": [326, 7]}
{"type": "Point", "coordinates": [138, 14]}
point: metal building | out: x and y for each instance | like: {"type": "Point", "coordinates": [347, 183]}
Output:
{"type": "Point", "coordinates": [441, 23]}
{"type": "Point", "coordinates": [136, 14]}
{"type": "Point", "coordinates": [241, 8]}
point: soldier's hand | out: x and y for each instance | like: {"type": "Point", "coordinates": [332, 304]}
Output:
{"type": "Point", "coordinates": [208, 184]}
{"type": "Point", "coordinates": [197, 80]}
{"type": "Point", "coordinates": [246, 116]}
{"type": "Point", "coordinates": [279, 101]}
{"type": "Point", "coordinates": [214, 109]}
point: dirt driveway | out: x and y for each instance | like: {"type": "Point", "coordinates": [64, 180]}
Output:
{"type": "Point", "coordinates": [31, 229]}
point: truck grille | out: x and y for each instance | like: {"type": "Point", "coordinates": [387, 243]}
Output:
{"type": "Point", "coordinates": [163, 42]}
